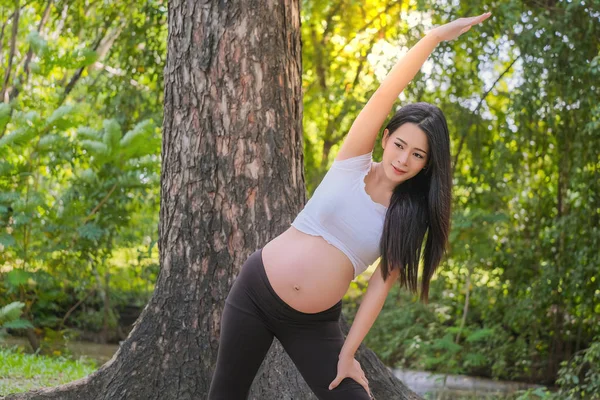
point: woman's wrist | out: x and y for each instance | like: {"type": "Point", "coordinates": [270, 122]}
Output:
{"type": "Point", "coordinates": [346, 354]}
{"type": "Point", "coordinates": [433, 36]}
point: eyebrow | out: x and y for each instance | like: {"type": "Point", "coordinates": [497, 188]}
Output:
{"type": "Point", "coordinates": [406, 144]}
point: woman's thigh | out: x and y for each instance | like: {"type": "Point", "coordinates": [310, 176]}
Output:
{"type": "Point", "coordinates": [245, 336]}
{"type": "Point", "coordinates": [315, 350]}
{"type": "Point", "coordinates": [243, 344]}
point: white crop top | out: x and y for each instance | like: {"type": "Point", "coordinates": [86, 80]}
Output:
{"type": "Point", "coordinates": [341, 211]}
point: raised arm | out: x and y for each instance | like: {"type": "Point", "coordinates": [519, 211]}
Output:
{"type": "Point", "coordinates": [363, 132]}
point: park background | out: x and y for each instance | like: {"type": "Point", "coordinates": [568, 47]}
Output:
{"type": "Point", "coordinates": [517, 298]}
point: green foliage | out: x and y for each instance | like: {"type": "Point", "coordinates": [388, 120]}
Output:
{"type": "Point", "coordinates": [536, 394]}
{"type": "Point", "coordinates": [10, 318]}
{"type": "Point", "coordinates": [79, 162]}
{"type": "Point", "coordinates": [338, 77]}
{"type": "Point", "coordinates": [5, 110]}
{"type": "Point", "coordinates": [517, 293]}
{"type": "Point", "coordinates": [28, 371]}
{"type": "Point", "coordinates": [410, 334]}
{"type": "Point", "coordinates": [579, 378]}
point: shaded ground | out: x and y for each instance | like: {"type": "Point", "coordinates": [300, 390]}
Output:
{"type": "Point", "coordinates": [424, 383]}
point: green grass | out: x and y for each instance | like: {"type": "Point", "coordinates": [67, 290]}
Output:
{"type": "Point", "coordinates": [20, 372]}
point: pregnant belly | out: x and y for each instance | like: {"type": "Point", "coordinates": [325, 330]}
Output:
{"type": "Point", "coordinates": [308, 273]}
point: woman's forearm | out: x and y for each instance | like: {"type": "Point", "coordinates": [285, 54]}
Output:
{"type": "Point", "coordinates": [365, 317]}
{"type": "Point", "coordinates": [369, 309]}
{"type": "Point", "coordinates": [406, 69]}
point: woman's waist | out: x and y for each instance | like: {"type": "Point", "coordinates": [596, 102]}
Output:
{"type": "Point", "coordinates": [299, 251]}
{"type": "Point", "coordinates": [307, 272]}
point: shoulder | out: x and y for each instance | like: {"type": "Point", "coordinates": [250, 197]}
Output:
{"type": "Point", "coordinates": [344, 155]}
{"type": "Point", "coordinates": [361, 162]}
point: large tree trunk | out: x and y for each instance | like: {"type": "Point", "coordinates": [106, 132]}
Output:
{"type": "Point", "coordinates": [232, 179]}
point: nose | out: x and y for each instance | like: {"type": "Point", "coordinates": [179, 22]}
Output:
{"type": "Point", "coordinates": [403, 158]}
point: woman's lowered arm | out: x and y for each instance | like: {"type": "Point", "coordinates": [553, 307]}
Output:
{"type": "Point", "coordinates": [369, 309]}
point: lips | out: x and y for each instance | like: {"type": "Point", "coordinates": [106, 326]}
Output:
{"type": "Point", "coordinates": [398, 171]}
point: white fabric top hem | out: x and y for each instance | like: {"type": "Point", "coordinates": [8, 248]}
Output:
{"type": "Point", "coordinates": [337, 244]}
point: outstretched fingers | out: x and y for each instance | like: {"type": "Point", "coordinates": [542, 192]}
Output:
{"type": "Point", "coordinates": [479, 19]}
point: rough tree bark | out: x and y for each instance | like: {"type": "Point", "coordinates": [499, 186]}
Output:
{"type": "Point", "coordinates": [232, 178]}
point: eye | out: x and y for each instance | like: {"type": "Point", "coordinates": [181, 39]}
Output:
{"type": "Point", "coordinates": [398, 145]}
{"type": "Point", "coordinates": [418, 155]}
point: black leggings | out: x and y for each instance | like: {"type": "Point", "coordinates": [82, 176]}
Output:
{"type": "Point", "coordinates": [252, 316]}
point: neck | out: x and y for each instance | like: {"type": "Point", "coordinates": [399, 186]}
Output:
{"type": "Point", "coordinates": [381, 181]}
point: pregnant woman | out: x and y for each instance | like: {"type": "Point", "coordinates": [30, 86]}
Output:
{"type": "Point", "coordinates": [292, 287]}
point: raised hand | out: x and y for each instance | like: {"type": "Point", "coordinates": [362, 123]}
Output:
{"type": "Point", "coordinates": [454, 29]}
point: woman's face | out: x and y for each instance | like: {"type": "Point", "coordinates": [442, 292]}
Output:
{"type": "Point", "coordinates": [405, 152]}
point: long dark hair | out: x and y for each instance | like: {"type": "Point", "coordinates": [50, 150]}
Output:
{"type": "Point", "coordinates": [420, 205]}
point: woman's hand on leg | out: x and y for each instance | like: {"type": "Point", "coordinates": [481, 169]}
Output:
{"type": "Point", "coordinates": [348, 367]}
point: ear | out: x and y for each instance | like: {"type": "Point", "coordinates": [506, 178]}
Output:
{"type": "Point", "coordinates": [385, 138]}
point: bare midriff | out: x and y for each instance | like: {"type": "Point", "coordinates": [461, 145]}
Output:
{"type": "Point", "coordinates": [307, 272]}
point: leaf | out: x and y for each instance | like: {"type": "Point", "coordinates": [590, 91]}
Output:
{"type": "Point", "coordinates": [95, 148]}
{"type": "Point", "coordinates": [4, 115]}
{"type": "Point", "coordinates": [91, 231]}
{"type": "Point", "coordinates": [9, 197]}
{"type": "Point", "coordinates": [85, 57]}
{"type": "Point", "coordinates": [49, 141]}
{"type": "Point", "coordinates": [138, 133]}
{"type": "Point", "coordinates": [37, 43]}
{"type": "Point", "coordinates": [446, 343]}
{"type": "Point", "coordinates": [6, 240]}
{"type": "Point", "coordinates": [112, 134]}
{"type": "Point", "coordinates": [479, 335]}
{"type": "Point", "coordinates": [475, 359]}
{"type": "Point", "coordinates": [149, 161]}
{"type": "Point", "coordinates": [18, 277]}
{"type": "Point", "coordinates": [89, 175]}
{"type": "Point", "coordinates": [89, 133]}
{"type": "Point", "coordinates": [18, 324]}
{"type": "Point", "coordinates": [18, 137]}
{"type": "Point", "coordinates": [11, 311]}
{"type": "Point", "coordinates": [60, 117]}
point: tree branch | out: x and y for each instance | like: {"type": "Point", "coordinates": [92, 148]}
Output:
{"type": "Point", "coordinates": [366, 25]}
{"type": "Point", "coordinates": [99, 204]}
{"type": "Point", "coordinates": [472, 119]}
{"type": "Point", "coordinates": [329, 18]}
{"type": "Point", "coordinates": [75, 78]}
{"type": "Point", "coordinates": [13, 46]}
{"type": "Point", "coordinates": [62, 323]}
{"type": "Point", "coordinates": [29, 56]}
{"type": "Point", "coordinates": [6, 22]}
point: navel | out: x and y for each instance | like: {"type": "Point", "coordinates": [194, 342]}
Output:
{"type": "Point", "coordinates": [296, 288]}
